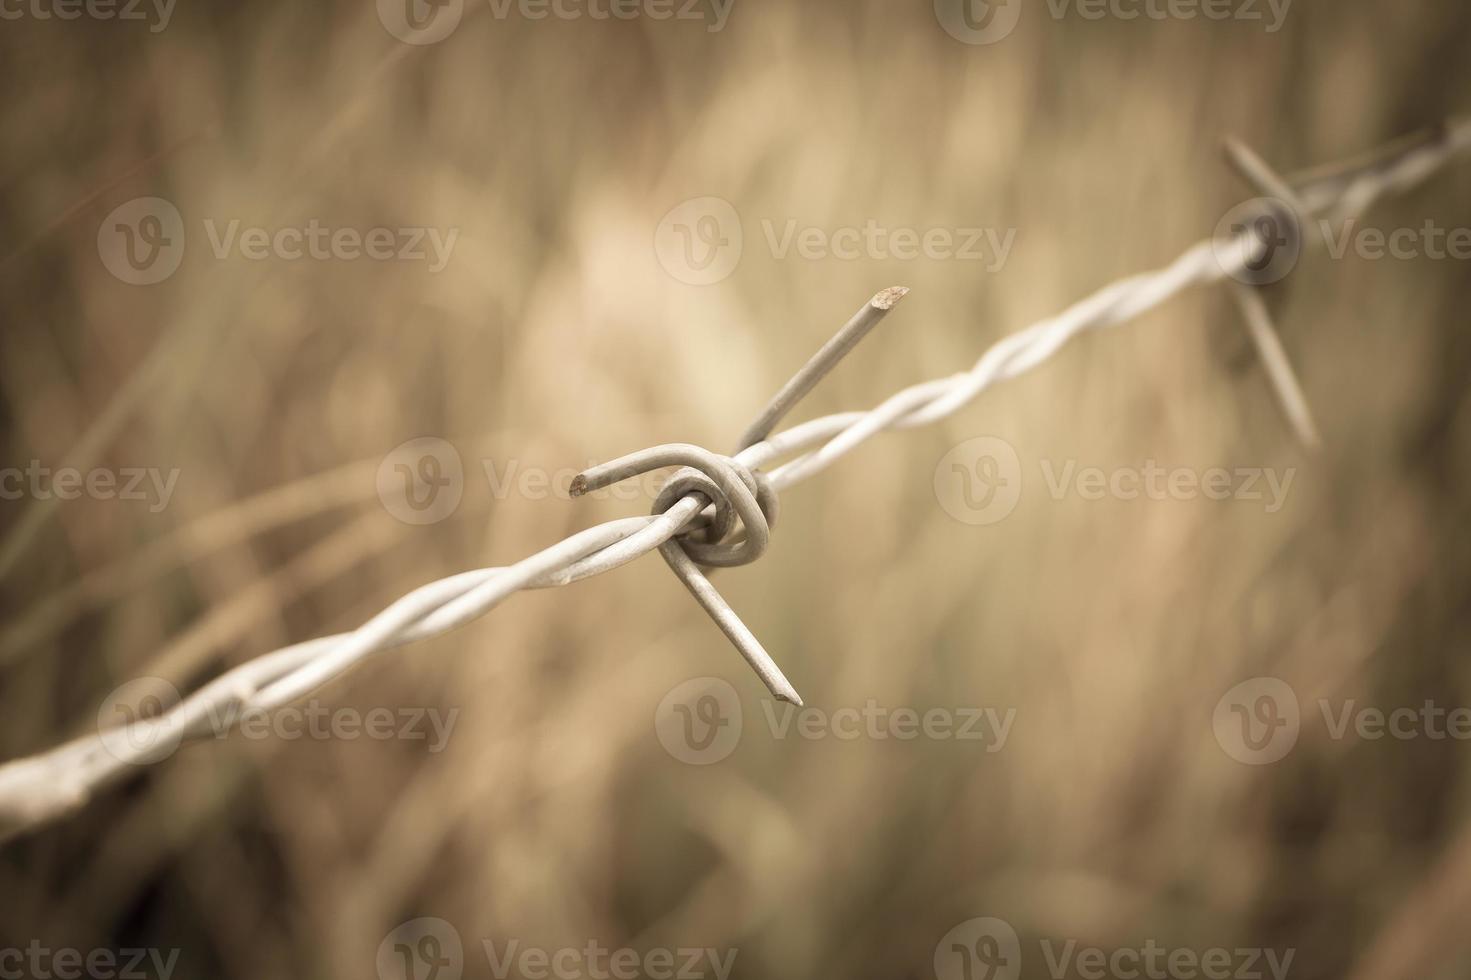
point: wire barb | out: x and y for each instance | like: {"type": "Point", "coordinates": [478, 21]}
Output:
{"type": "Point", "coordinates": [817, 368]}
{"type": "Point", "coordinates": [730, 624]}
{"type": "Point", "coordinates": [1267, 182]}
{"type": "Point", "coordinates": [1290, 397]}
{"type": "Point", "coordinates": [708, 479]}
{"type": "Point", "coordinates": [734, 490]}
{"type": "Point", "coordinates": [1264, 336]}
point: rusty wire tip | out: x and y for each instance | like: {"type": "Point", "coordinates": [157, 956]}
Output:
{"type": "Point", "coordinates": [886, 299]}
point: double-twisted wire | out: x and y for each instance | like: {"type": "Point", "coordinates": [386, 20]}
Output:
{"type": "Point", "coordinates": [42, 787]}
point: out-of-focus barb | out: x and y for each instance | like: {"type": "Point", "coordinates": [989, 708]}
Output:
{"type": "Point", "coordinates": [1249, 300]}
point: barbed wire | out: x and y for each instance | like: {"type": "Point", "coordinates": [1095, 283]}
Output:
{"type": "Point", "coordinates": [714, 496]}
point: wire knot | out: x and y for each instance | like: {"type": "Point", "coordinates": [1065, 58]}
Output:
{"type": "Point", "coordinates": [706, 544]}
{"type": "Point", "coordinates": [735, 491]}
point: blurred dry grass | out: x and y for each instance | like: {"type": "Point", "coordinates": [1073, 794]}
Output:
{"type": "Point", "coordinates": [554, 338]}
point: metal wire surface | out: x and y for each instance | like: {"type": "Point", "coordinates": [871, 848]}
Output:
{"type": "Point", "coordinates": [689, 525]}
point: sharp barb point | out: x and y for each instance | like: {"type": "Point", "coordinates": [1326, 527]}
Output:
{"type": "Point", "coordinates": [780, 687]}
{"type": "Point", "coordinates": [818, 366]}
{"type": "Point", "coordinates": [887, 299]}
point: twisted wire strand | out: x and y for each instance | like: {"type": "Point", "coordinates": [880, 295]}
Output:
{"type": "Point", "coordinates": [43, 787]}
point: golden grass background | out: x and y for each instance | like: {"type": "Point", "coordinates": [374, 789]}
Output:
{"type": "Point", "coordinates": [555, 338]}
